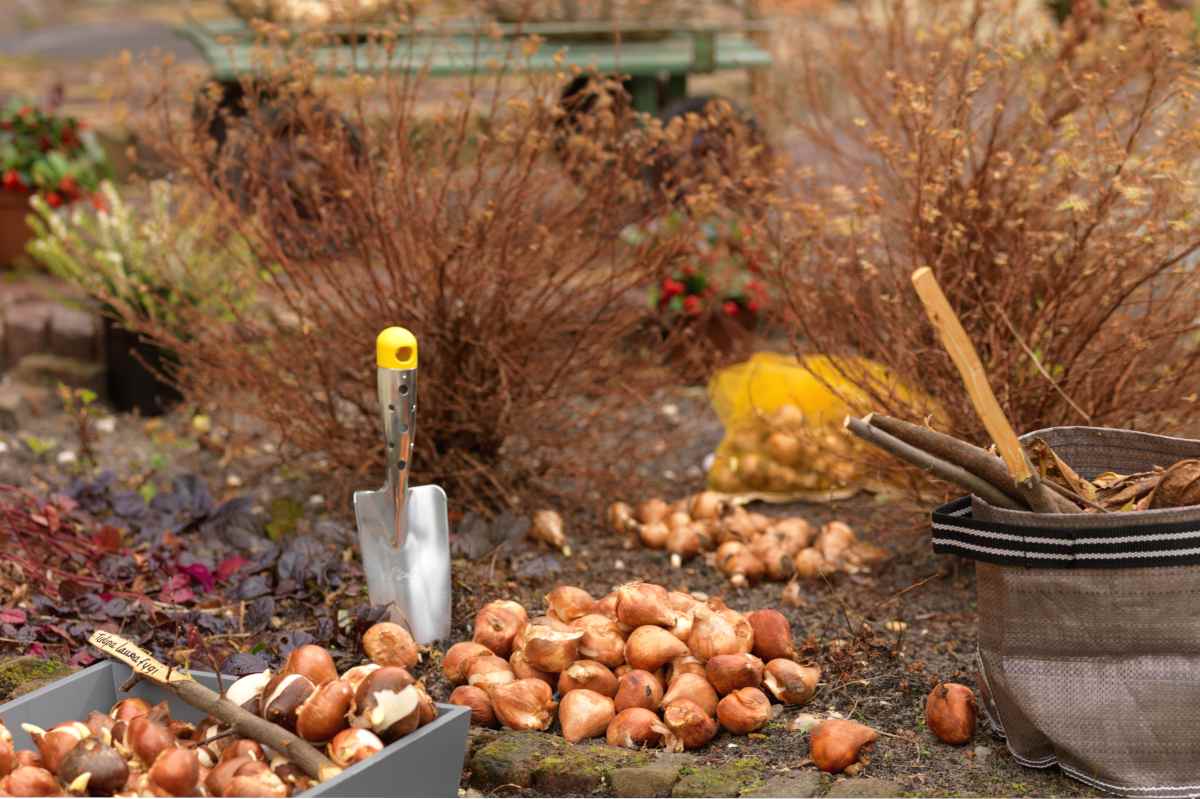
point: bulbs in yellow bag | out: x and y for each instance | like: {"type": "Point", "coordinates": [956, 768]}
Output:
{"type": "Point", "coordinates": [783, 424]}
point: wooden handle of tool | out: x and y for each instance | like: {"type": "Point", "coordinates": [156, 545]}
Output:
{"type": "Point", "coordinates": [962, 352]}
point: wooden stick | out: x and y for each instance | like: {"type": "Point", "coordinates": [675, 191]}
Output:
{"type": "Point", "coordinates": [180, 683]}
{"type": "Point", "coordinates": [976, 460]}
{"type": "Point", "coordinates": [293, 747]}
{"type": "Point", "coordinates": [962, 352]}
{"type": "Point", "coordinates": [943, 469]}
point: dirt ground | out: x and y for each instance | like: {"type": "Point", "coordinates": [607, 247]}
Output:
{"type": "Point", "coordinates": [873, 674]}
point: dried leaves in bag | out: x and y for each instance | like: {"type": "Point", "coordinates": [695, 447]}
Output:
{"type": "Point", "coordinates": [1178, 486]}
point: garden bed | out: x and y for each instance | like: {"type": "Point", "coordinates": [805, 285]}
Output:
{"type": "Point", "coordinates": [874, 671]}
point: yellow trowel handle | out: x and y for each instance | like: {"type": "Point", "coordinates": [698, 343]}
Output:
{"type": "Point", "coordinates": [396, 357]}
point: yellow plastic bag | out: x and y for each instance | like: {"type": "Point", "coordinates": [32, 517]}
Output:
{"type": "Point", "coordinates": [784, 438]}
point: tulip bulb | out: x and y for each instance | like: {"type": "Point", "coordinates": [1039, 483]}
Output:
{"type": "Point", "coordinates": [737, 526]}
{"type": "Point", "coordinates": [744, 711]}
{"type": "Point", "coordinates": [692, 688]}
{"type": "Point", "coordinates": [640, 604]}
{"type": "Point", "coordinates": [324, 713]}
{"type": "Point", "coordinates": [589, 674]}
{"type": "Point", "coordinates": [353, 745]}
{"type": "Point", "coordinates": [683, 543]}
{"type": "Point", "coordinates": [637, 727]}
{"type": "Point", "coordinates": [638, 688]}
{"type": "Point", "coordinates": [837, 744]}
{"type": "Point", "coordinates": [246, 692]}
{"type": "Point", "coordinates": [497, 625]}
{"type": "Point", "coordinates": [654, 535]}
{"type": "Point", "coordinates": [547, 527]}
{"type": "Point", "coordinates": [690, 726]}
{"type": "Point", "coordinates": [107, 771]}
{"type": "Point", "coordinates": [728, 673]}
{"type": "Point", "coordinates": [569, 603]}
{"type": "Point", "coordinates": [458, 659]}
{"type": "Point", "coordinates": [584, 714]}
{"type": "Point", "coordinates": [736, 561]}
{"type": "Point", "coordinates": [524, 704]}
{"type": "Point", "coordinates": [688, 664]}
{"type": "Point", "coordinates": [793, 534]}
{"type": "Point", "coordinates": [772, 634]}
{"type": "Point", "coordinates": [706, 505]}
{"type": "Point", "coordinates": [314, 662]}
{"type": "Point", "coordinates": [30, 781]}
{"type": "Point", "coordinates": [649, 648]}
{"type": "Point", "coordinates": [550, 650]}
{"type": "Point", "coordinates": [602, 640]}
{"type": "Point", "coordinates": [482, 713]}
{"type": "Point", "coordinates": [834, 541]}
{"type": "Point", "coordinates": [176, 772]}
{"type": "Point", "coordinates": [652, 510]}
{"type": "Point", "coordinates": [620, 518]}
{"type": "Point", "coordinates": [356, 674]}
{"type": "Point", "coordinates": [790, 682]}
{"type": "Point", "coordinates": [54, 745]}
{"type": "Point", "coordinates": [488, 671]}
{"type": "Point", "coordinates": [713, 634]}
{"type": "Point", "coordinates": [387, 703]}
{"type": "Point", "coordinates": [522, 670]}
{"type": "Point", "coordinates": [951, 713]}
{"type": "Point", "coordinates": [810, 563]}
{"type": "Point", "coordinates": [390, 644]}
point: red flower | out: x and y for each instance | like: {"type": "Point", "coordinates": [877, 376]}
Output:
{"type": "Point", "coordinates": [69, 187]}
{"type": "Point", "coordinates": [98, 202]}
{"type": "Point", "coordinates": [752, 306]}
{"type": "Point", "coordinates": [53, 199]}
{"type": "Point", "coordinates": [25, 110]}
{"type": "Point", "coordinates": [12, 181]}
{"type": "Point", "coordinates": [730, 307]}
{"type": "Point", "coordinates": [672, 287]}
{"type": "Point", "coordinates": [691, 305]}
{"type": "Point", "coordinates": [689, 270]}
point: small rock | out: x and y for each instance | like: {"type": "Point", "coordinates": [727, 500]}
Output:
{"type": "Point", "coordinates": [233, 481]}
{"type": "Point", "coordinates": [803, 723]}
{"type": "Point", "coordinates": [3, 446]}
{"type": "Point", "coordinates": [982, 753]}
{"type": "Point", "coordinates": [511, 759]}
{"type": "Point", "coordinates": [67, 457]}
{"type": "Point", "coordinates": [669, 474]}
{"type": "Point", "coordinates": [797, 783]}
{"type": "Point", "coordinates": [106, 425]}
{"type": "Point", "coordinates": [670, 410]}
{"type": "Point", "coordinates": [316, 500]}
{"type": "Point", "coordinates": [865, 788]}
{"type": "Point", "coordinates": [201, 424]}
{"type": "Point", "coordinates": [656, 779]}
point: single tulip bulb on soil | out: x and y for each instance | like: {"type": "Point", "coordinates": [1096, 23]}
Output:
{"type": "Point", "coordinates": [744, 711]}
{"type": "Point", "coordinates": [951, 713]}
{"type": "Point", "coordinates": [838, 744]}
{"type": "Point", "coordinates": [772, 634]}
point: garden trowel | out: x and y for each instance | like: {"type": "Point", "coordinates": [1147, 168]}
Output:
{"type": "Point", "coordinates": [404, 533]}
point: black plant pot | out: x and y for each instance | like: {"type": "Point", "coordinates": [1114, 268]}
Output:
{"type": "Point", "coordinates": [134, 367]}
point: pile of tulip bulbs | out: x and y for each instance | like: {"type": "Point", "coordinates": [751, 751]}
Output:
{"type": "Point", "coordinates": [136, 749]}
{"type": "Point", "coordinates": [640, 667]}
{"type": "Point", "coordinates": [746, 547]}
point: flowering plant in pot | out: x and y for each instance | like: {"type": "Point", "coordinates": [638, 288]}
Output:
{"type": "Point", "coordinates": [49, 155]}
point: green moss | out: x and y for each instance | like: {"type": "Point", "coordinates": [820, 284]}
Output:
{"type": "Point", "coordinates": [582, 769]}
{"type": "Point", "coordinates": [512, 758]}
{"type": "Point", "coordinates": [729, 779]}
{"type": "Point", "coordinates": [24, 674]}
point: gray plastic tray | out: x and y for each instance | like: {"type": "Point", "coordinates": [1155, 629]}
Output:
{"type": "Point", "coordinates": [427, 763]}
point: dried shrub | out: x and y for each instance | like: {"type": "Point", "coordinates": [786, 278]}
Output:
{"type": "Point", "coordinates": [1048, 180]}
{"type": "Point", "coordinates": [488, 228]}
